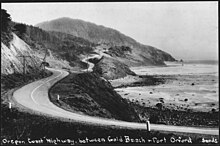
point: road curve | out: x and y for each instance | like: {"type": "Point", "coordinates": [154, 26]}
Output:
{"type": "Point", "coordinates": [91, 65]}
{"type": "Point", "coordinates": [34, 96]}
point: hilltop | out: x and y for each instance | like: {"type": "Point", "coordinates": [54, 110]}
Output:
{"type": "Point", "coordinates": [140, 54]}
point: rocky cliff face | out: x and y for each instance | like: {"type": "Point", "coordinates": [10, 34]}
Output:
{"type": "Point", "coordinates": [10, 60]}
{"type": "Point", "coordinates": [141, 54]}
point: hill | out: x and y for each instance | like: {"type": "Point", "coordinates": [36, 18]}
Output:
{"type": "Point", "coordinates": [140, 54]}
{"type": "Point", "coordinates": [89, 94]}
{"type": "Point", "coordinates": [60, 50]}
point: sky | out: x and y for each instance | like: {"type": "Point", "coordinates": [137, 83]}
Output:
{"type": "Point", "coordinates": [186, 30]}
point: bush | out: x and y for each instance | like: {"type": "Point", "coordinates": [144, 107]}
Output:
{"type": "Point", "coordinates": [20, 29]}
{"type": "Point", "coordinates": [154, 119]}
{"type": "Point", "coordinates": [161, 100]}
{"type": "Point", "coordinates": [213, 110]}
{"type": "Point", "coordinates": [159, 106]}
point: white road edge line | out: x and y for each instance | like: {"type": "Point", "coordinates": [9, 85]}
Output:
{"type": "Point", "coordinates": [43, 84]}
{"type": "Point", "coordinates": [62, 72]}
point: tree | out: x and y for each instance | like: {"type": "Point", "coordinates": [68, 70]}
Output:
{"type": "Point", "coordinates": [20, 28]}
{"type": "Point", "coordinates": [213, 110]}
{"type": "Point", "coordinates": [154, 119]}
{"type": "Point", "coordinates": [5, 21]}
{"type": "Point", "coordinates": [159, 106]}
{"type": "Point", "coordinates": [6, 27]}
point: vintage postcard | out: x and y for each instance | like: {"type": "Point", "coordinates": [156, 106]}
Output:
{"type": "Point", "coordinates": [100, 73]}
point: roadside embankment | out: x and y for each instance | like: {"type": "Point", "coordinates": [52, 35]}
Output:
{"type": "Point", "coordinates": [90, 94]}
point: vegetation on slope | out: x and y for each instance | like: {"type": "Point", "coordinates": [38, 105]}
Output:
{"type": "Point", "coordinates": [91, 95]}
{"type": "Point", "coordinates": [62, 46]}
{"type": "Point", "coordinates": [110, 68]}
{"type": "Point", "coordinates": [143, 54]}
{"type": "Point", "coordinates": [118, 51]}
{"type": "Point", "coordinates": [6, 27]}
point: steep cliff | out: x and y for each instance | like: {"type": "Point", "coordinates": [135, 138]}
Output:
{"type": "Point", "coordinates": [11, 60]}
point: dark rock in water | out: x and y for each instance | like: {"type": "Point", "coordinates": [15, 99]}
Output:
{"type": "Point", "coordinates": [193, 84]}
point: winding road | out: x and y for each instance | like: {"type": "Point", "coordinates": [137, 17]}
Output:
{"type": "Point", "coordinates": [34, 96]}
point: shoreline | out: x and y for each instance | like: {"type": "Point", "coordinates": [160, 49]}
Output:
{"type": "Point", "coordinates": [187, 91]}
{"type": "Point", "coordinates": [193, 96]}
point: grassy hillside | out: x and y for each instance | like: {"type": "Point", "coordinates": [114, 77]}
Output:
{"type": "Point", "coordinates": [92, 95]}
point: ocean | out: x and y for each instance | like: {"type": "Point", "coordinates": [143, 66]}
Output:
{"type": "Point", "coordinates": [190, 67]}
{"type": "Point", "coordinates": [196, 81]}
{"type": "Point", "coordinates": [211, 62]}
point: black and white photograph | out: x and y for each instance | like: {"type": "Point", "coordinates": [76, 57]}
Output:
{"type": "Point", "coordinates": [109, 73]}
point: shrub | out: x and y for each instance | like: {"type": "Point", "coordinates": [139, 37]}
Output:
{"type": "Point", "coordinates": [154, 119]}
{"type": "Point", "coordinates": [159, 106]}
{"type": "Point", "coordinates": [213, 110]}
{"type": "Point", "coordinates": [161, 100]}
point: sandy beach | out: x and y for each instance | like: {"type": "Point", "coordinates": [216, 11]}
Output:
{"type": "Point", "coordinates": [190, 87]}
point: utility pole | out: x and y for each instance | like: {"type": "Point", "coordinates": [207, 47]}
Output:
{"type": "Point", "coordinates": [181, 61]}
{"type": "Point", "coordinates": [87, 60]}
{"type": "Point", "coordinates": [24, 63]}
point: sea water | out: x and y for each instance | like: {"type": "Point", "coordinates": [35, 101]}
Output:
{"type": "Point", "coordinates": [192, 67]}
{"type": "Point", "coordinates": [203, 70]}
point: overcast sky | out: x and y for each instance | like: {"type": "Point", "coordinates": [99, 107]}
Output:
{"type": "Point", "coordinates": [187, 30]}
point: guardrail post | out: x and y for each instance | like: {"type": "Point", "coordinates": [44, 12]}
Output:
{"type": "Point", "coordinates": [148, 125]}
{"type": "Point", "coordinates": [58, 97]}
{"type": "Point", "coordinates": [9, 106]}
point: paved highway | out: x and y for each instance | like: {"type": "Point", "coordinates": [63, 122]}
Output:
{"type": "Point", "coordinates": [34, 96]}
